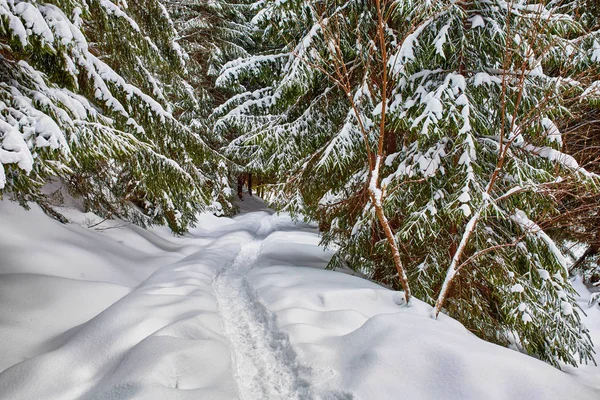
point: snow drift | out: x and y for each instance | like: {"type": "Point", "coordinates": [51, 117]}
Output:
{"type": "Point", "coordinates": [237, 308]}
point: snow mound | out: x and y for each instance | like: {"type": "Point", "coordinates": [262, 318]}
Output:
{"type": "Point", "coordinates": [354, 335]}
{"type": "Point", "coordinates": [237, 308]}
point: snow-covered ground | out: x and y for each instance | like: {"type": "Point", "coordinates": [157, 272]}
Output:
{"type": "Point", "coordinates": [237, 308]}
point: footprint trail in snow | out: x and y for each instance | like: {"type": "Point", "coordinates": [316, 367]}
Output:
{"type": "Point", "coordinates": [264, 363]}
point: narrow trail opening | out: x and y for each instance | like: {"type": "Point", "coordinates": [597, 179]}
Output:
{"type": "Point", "coordinates": [264, 363]}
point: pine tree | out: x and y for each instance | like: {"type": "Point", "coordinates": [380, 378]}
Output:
{"type": "Point", "coordinates": [579, 219]}
{"type": "Point", "coordinates": [93, 93]}
{"type": "Point", "coordinates": [465, 99]}
{"type": "Point", "coordinates": [212, 33]}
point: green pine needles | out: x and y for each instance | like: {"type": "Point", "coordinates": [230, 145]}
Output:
{"type": "Point", "coordinates": [121, 140]}
{"type": "Point", "coordinates": [440, 122]}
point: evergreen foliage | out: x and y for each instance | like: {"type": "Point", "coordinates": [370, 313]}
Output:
{"type": "Point", "coordinates": [449, 142]}
{"type": "Point", "coordinates": [212, 33]}
{"type": "Point", "coordinates": [93, 92]}
{"type": "Point", "coordinates": [473, 152]}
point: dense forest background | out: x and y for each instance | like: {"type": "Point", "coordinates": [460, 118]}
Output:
{"type": "Point", "coordinates": [447, 148]}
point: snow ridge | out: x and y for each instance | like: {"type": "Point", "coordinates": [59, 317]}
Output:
{"type": "Point", "coordinates": [264, 363]}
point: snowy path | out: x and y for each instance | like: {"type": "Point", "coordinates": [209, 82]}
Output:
{"type": "Point", "coordinates": [191, 328]}
{"type": "Point", "coordinates": [265, 364]}
{"type": "Point", "coordinates": [239, 308]}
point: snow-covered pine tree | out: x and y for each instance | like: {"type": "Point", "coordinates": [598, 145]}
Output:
{"type": "Point", "coordinates": [579, 220]}
{"type": "Point", "coordinates": [212, 33]}
{"type": "Point", "coordinates": [473, 153]}
{"type": "Point", "coordinates": [93, 92]}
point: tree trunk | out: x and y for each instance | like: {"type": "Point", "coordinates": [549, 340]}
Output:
{"type": "Point", "coordinates": [250, 183]}
{"type": "Point", "coordinates": [240, 186]}
{"type": "Point", "coordinates": [454, 265]}
{"type": "Point", "coordinates": [376, 194]}
{"type": "Point", "coordinates": [391, 239]}
{"type": "Point", "coordinates": [390, 143]}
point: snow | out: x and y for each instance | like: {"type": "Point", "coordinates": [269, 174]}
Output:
{"type": "Point", "coordinates": [481, 78]}
{"type": "Point", "coordinates": [427, 163]}
{"type": "Point", "coordinates": [13, 149]}
{"type": "Point", "coordinates": [566, 308]}
{"type": "Point", "coordinates": [545, 275]}
{"type": "Point", "coordinates": [587, 374]}
{"type": "Point", "coordinates": [465, 197]}
{"type": "Point", "coordinates": [552, 131]}
{"type": "Point", "coordinates": [114, 9]}
{"type": "Point", "coordinates": [34, 20]}
{"type": "Point", "coordinates": [49, 133]}
{"type": "Point", "coordinates": [406, 52]}
{"type": "Point", "coordinates": [530, 227]}
{"type": "Point", "coordinates": [596, 52]}
{"type": "Point", "coordinates": [251, 329]}
{"type": "Point", "coordinates": [592, 91]}
{"type": "Point", "coordinates": [441, 39]}
{"type": "Point", "coordinates": [374, 182]}
{"type": "Point", "coordinates": [237, 308]}
{"type": "Point", "coordinates": [465, 209]}
{"type": "Point", "coordinates": [232, 69]}
{"type": "Point", "coordinates": [16, 27]}
{"type": "Point", "coordinates": [477, 21]}
{"type": "Point", "coordinates": [59, 23]}
{"type": "Point", "coordinates": [517, 288]}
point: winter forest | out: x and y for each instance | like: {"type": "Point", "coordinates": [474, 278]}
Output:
{"type": "Point", "coordinates": [299, 199]}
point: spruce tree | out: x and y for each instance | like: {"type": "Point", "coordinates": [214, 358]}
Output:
{"type": "Point", "coordinates": [212, 33]}
{"type": "Point", "coordinates": [93, 93]}
{"type": "Point", "coordinates": [467, 97]}
{"type": "Point", "coordinates": [579, 219]}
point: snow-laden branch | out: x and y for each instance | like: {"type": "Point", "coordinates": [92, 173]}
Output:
{"type": "Point", "coordinates": [530, 227]}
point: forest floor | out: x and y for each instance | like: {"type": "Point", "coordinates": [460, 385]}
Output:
{"type": "Point", "coordinates": [238, 308]}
